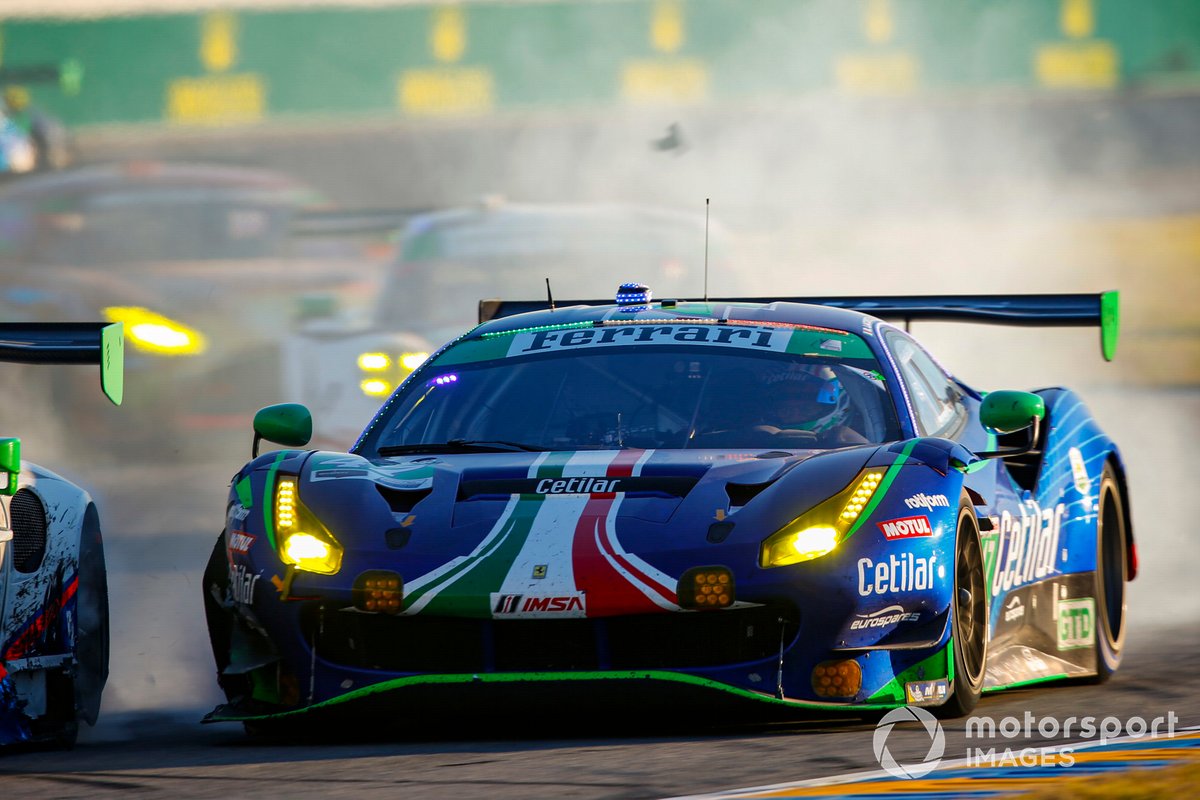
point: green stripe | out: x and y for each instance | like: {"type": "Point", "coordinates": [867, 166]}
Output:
{"type": "Point", "coordinates": [545, 677]}
{"type": "Point", "coordinates": [244, 492]}
{"type": "Point", "coordinates": [1030, 682]}
{"type": "Point", "coordinates": [487, 572]}
{"type": "Point", "coordinates": [509, 525]}
{"type": "Point", "coordinates": [928, 669]}
{"type": "Point", "coordinates": [269, 501]}
{"type": "Point", "coordinates": [496, 560]}
{"type": "Point", "coordinates": [888, 478]}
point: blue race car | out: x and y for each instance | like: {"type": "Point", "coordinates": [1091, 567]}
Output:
{"type": "Point", "coordinates": [788, 504]}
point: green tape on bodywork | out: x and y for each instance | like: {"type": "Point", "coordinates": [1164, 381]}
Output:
{"type": "Point", "coordinates": [1110, 323]}
{"type": "Point", "coordinates": [934, 667]}
{"type": "Point", "coordinates": [268, 501]}
{"type": "Point", "coordinates": [546, 677]}
{"type": "Point", "coordinates": [888, 478]}
{"type": "Point", "coordinates": [112, 361]}
{"type": "Point", "coordinates": [1031, 682]}
{"type": "Point", "coordinates": [244, 493]}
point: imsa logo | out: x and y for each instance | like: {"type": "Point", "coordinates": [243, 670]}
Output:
{"type": "Point", "coordinates": [523, 605]}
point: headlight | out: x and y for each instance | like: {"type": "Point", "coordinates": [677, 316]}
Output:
{"type": "Point", "coordinates": [154, 333]}
{"type": "Point", "coordinates": [383, 372]}
{"type": "Point", "coordinates": [819, 531]}
{"type": "Point", "coordinates": [303, 541]}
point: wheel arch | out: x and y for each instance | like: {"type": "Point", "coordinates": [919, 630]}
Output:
{"type": "Point", "coordinates": [1118, 464]}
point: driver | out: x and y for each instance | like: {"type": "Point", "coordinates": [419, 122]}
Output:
{"type": "Point", "coordinates": [809, 397]}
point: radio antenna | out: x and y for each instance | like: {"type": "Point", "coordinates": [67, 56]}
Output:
{"type": "Point", "coordinates": [549, 296]}
{"type": "Point", "coordinates": [706, 249]}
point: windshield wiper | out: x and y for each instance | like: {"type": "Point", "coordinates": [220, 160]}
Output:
{"type": "Point", "coordinates": [477, 445]}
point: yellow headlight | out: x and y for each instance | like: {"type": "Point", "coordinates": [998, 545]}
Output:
{"type": "Point", "coordinates": [303, 540]}
{"type": "Point", "coordinates": [794, 547]}
{"type": "Point", "coordinates": [411, 361]}
{"type": "Point", "coordinates": [374, 362]}
{"type": "Point", "coordinates": [375, 387]}
{"type": "Point", "coordinates": [818, 532]}
{"type": "Point", "coordinates": [307, 552]}
{"type": "Point", "coordinates": [154, 333]}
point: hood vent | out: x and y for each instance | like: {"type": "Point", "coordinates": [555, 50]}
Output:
{"type": "Point", "coordinates": [402, 502]}
{"type": "Point", "coordinates": [742, 493]}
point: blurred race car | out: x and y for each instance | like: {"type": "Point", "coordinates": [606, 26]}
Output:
{"type": "Point", "coordinates": [773, 504]}
{"type": "Point", "coordinates": [53, 584]}
{"type": "Point", "coordinates": [448, 258]}
{"type": "Point", "coordinates": [197, 260]}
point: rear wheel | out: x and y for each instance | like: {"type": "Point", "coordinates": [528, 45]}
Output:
{"type": "Point", "coordinates": [969, 616]}
{"type": "Point", "coordinates": [91, 621]}
{"type": "Point", "coordinates": [1111, 569]}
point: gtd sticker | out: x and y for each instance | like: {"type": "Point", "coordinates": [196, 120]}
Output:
{"type": "Point", "coordinates": [905, 527]}
{"type": "Point", "coordinates": [1076, 622]}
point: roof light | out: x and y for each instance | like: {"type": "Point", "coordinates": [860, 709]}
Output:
{"type": "Point", "coordinates": [632, 297]}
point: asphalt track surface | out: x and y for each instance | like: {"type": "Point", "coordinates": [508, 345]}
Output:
{"type": "Point", "coordinates": [159, 522]}
{"type": "Point", "coordinates": [171, 755]}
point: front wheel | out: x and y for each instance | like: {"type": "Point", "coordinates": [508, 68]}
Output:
{"type": "Point", "coordinates": [969, 616]}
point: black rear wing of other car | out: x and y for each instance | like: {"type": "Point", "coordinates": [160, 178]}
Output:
{"type": "Point", "coordinates": [1035, 310]}
{"type": "Point", "coordinates": [100, 343]}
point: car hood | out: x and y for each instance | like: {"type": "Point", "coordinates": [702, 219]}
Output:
{"type": "Point", "coordinates": [595, 532]}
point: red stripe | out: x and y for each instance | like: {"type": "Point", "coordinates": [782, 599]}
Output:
{"type": "Point", "coordinates": [41, 623]}
{"type": "Point", "coordinates": [666, 594]}
{"type": "Point", "coordinates": [608, 591]}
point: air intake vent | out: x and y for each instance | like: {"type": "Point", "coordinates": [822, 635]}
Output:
{"type": "Point", "coordinates": [29, 530]}
{"type": "Point", "coordinates": [400, 501]}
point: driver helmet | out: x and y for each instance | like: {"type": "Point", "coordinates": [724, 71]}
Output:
{"type": "Point", "coordinates": [807, 397]}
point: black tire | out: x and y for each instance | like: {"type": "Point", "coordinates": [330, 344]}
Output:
{"type": "Point", "coordinates": [215, 583]}
{"type": "Point", "coordinates": [969, 616]}
{"type": "Point", "coordinates": [1112, 543]}
{"type": "Point", "coordinates": [91, 621]}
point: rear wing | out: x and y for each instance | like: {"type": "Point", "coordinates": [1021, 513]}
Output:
{"type": "Point", "coordinates": [100, 343]}
{"type": "Point", "coordinates": [1035, 310]}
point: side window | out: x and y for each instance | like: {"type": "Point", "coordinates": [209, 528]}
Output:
{"type": "Point", "coordinates": [936, 401]}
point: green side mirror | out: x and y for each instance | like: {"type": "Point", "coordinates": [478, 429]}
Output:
{"type": "Point", "coordinates": [288, 424]}
{"type": "Point", "coordinates": [10, 464]}
{"type": "Point", "coordinates": [1008, 412]}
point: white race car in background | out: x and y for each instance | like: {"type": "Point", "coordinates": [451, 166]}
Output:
{"type": "Point", "coordinates": [448, 259]}
{"type": "Point", "coordinates": [53, 583]}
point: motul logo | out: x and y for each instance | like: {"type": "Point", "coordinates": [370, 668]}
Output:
{"type": "Point", "coordinates": [905, 528]}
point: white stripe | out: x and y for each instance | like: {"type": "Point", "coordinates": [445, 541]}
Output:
{"type": "Point", "coordinates": [431, 577]}
{"type": "Point", "coordinates": [634, 580]}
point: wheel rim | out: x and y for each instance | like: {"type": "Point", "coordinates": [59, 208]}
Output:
{"type": "Point", "coordinates": [1112, 566]}
{"type": "Point", "coordinates": [970, 611]}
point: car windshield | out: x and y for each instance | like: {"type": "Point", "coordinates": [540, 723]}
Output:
{"type": "Point", "coordinates": [674, 386]}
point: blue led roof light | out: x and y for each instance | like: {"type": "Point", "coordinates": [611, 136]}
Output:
{"type": "Point", "coordinates": [633, 297]}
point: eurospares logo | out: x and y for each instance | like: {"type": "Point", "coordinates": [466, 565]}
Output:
{"type": "Point", "coordinates": [905, 528]}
